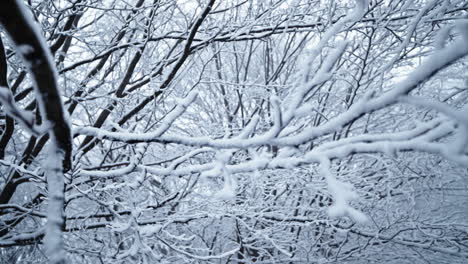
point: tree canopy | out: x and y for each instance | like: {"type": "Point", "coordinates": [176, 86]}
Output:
{"type": "Point", "coordinates": [234, 131]}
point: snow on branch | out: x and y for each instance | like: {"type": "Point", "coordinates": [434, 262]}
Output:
{"type": "Point", "coordinates": [342, 194]}
{"type": "Point", "coordinates": [29, 43]}
{"type": "Point", "coordinates": [23, 117]}
{"type": "Point", "coordinates": [370, 102]}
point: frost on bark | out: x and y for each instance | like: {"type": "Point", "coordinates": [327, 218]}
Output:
{"type": "Point", "coordinates": [29, 43]}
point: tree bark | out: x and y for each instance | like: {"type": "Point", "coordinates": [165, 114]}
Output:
{"type": "Point", "coordinates": [29, 43]}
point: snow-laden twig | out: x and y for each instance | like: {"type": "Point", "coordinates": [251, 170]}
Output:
{"type": "Point", "coordinates": [177, 112]}
{"type": "Point", "coordinates": [21, 169]}
{"type": "Point", "coordinates": [409, 33]}
{"type": "Point", "coordinates": [22, 238]}
{"type": "Point", "coordinates": [21, 209]}
{"type": "Point", "coordinates": [212, 257]}
{"type": "Point", "coordinates": [23, 117]}
{"type": "Point", "coordinates": [420, 138]}
{"type": "Point", "coordinates": [342, 194]}
{"type": "Point", "coordinates": [428, 245]}
{"type": "Point", "coordinates": [322, 75]}
{"type": "Point", "coordinates": [439, 60]}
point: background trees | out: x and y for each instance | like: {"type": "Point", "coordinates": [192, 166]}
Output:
{"type": "Point", "coordinates": [246, 131]}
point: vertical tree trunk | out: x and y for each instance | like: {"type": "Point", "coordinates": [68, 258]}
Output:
{"type": "Point", "coordinates": [37, 57]}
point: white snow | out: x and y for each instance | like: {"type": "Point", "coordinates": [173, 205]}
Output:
{"type": "Point", "coordinates": [25, 49]}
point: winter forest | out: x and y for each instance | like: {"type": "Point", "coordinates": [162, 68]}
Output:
{"type": "Point", "coordinates": [234, 131]}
